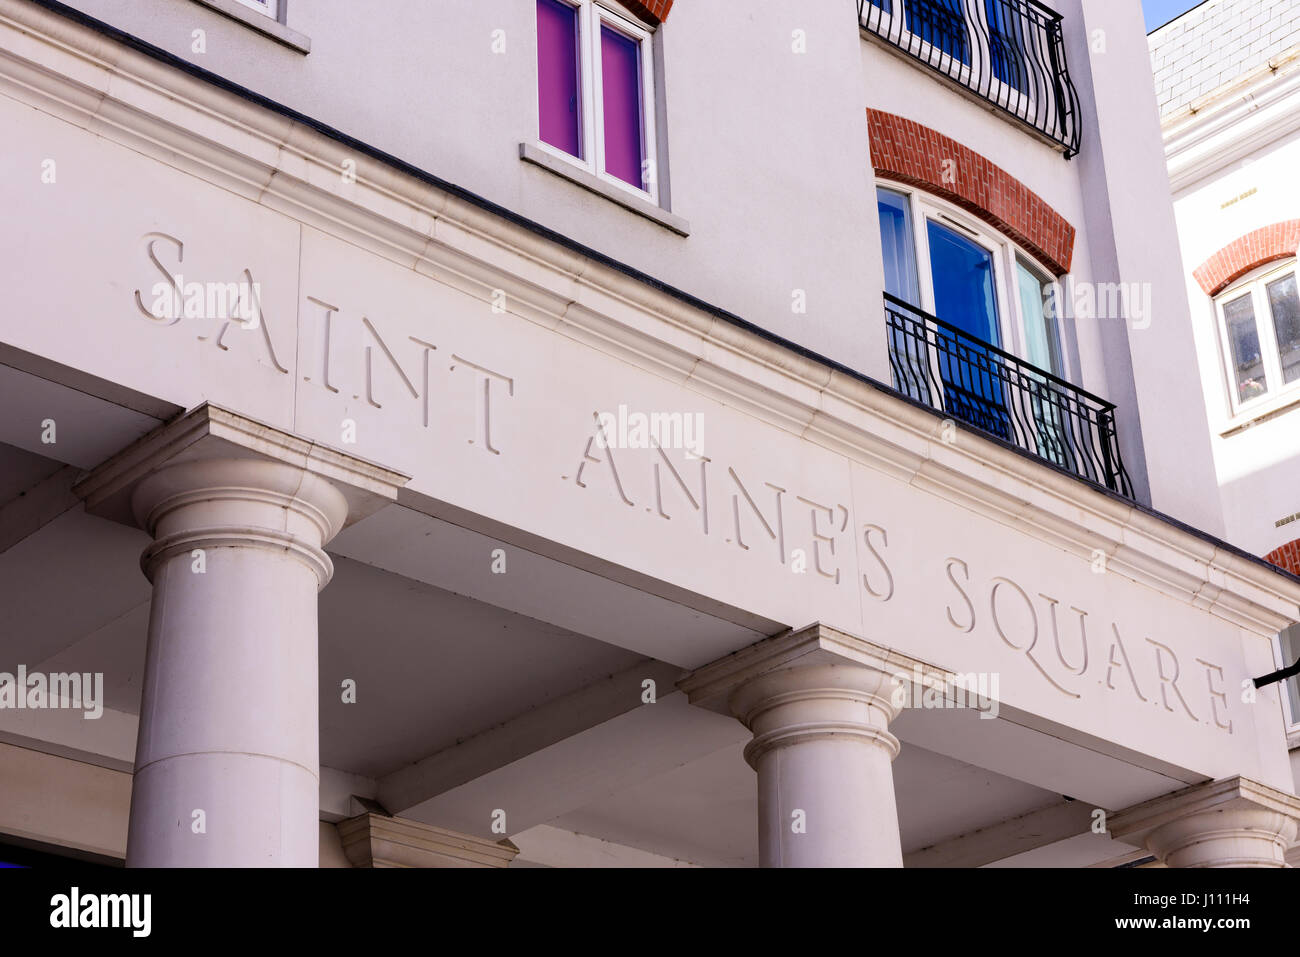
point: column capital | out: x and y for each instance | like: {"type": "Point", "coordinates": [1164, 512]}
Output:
{"type": "Point", "coordinates": [212, 432]}
{"type": "Point", "coordinates": [807, 684]}
{"type": "Point", "coordinates": [246, 503]}
{"type": "Point", "coordinates": [818, 702]}
{"type": "Point", "coordinates": [718, 685]}
{"type": "Point", "coordinates": [1235, 822]}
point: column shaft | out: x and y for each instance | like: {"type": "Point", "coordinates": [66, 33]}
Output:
{"type": "Point", "coordinates": [227, 760]}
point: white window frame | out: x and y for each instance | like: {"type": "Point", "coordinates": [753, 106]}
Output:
{"type": "Point", "coordinates": [1277, 392]}
{"type": "Point", "coordinates": [592, 15]}
{"type": "Point", "coordinates": [1005, 253]}
{"type": "Point", "coordinates": [1280, 657]}
{"type": "Point", "coordinates": [270, 8]}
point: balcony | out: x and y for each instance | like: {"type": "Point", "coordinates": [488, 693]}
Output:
{"type": "Point", "coordinates": [1009, 53]}
{"type": "Point", "coordinates": [943, 367]}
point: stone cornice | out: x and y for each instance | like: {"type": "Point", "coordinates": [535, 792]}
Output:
{"type": "Point", "coordinates": [70, 70]}
{"type": "Point", "coordinates": [817, 644]}
{"type": "Point", "coordinates": [1232, 123]}
{"type": "Point", "coordinates": [1134, 824]}
{"type": "Point", "coordinates": [210, 431]}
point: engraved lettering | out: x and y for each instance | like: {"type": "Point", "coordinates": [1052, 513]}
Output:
{"type": "Point", "coordinates": [1169, 681]}
{"type": "Point", "coordinates": [815, 510]}
{"type": "Point", "coordinates": [1028, 649]}
{"type": "Point", "coordinates": [888, 591]}
{"type": "Point", "coordinates": [427, 349]}
{"type": "Point", "coordinates": [1118, 645]}
{"type": "Point", "coordinates": [600, 440]}
{"type": "Point", "coordinates": [392, 360]}
{"type": "Point", "coordinates": [151, 239]}
{"type": "Point", "coordinates": [1056, 635]}
{"type": "Point", "coordinates": [965, 570]}
{"type": "Point", "coordinates": [260, 323]}
{"type": "Point", "coordinates": [1215, 693]}
{"type": "Point", "coordinates": [483, 413]}
{"type": "Point", "coordinates": [700, 504]}
{"type": "Point", "coordinates": [325, 339]}
{"type": "Point", "coordinates": [777, 534]}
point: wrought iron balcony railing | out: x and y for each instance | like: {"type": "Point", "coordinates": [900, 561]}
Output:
{"type": "Point", "coordinates": [1008, 52]}
{"type": "Point", "coordinates": [961, 376]}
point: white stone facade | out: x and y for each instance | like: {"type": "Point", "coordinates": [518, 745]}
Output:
{"type": "Point", "coordinates": [369, 583]}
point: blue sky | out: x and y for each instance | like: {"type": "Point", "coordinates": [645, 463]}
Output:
{"type": "Point", "coordinates": [1160, 12]}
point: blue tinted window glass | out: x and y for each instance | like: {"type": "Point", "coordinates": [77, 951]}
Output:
{"type": "Point", "coordinates": [973, 376]}
{"type": "Point", "coordinates": [942, 24]}
{"type": "Point", "coordinates": [1006, 46]}
{"type": "Point", "coordinates": [963, 283]}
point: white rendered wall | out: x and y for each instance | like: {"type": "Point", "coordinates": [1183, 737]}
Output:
{"type": "Point", "coordinates": [767, 146]}
{"type": "Point", "coordinates": [1258, 467]}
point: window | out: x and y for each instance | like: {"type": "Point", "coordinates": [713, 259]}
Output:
{"type": "Point", "coordinates": [942, 24]}
{"type": "Point", "coordinates": [898, 246]}
{"type": "Point", "coordinates": [1259, 321]}
{"type": "Point", "coordinates": [980, 283]}
{"type": "Point", "coordinates": [1008, 52]}
{"type": "Point", "coordinates": [595, 91]}
{"type": "Point", "coordinates": [1006, 45]}
{"type": "Point", "coordinates": [270, 7]}
{"type": "Point", "coordinates": [1042, 338]}
{"type": "Point", "coordinates": [1289, 642]}
{"type": "Point", "coordinates": [971, 277]}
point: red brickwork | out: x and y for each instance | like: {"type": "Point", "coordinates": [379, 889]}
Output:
{"type": "Point", "coordinates": [1288, 557]}
{"type": "Point", "coordinates": [1240, 256]}
{"type": "Point", "coordinates": [656, 11]}
{"type": "Point", "coordinates": [907, 152]}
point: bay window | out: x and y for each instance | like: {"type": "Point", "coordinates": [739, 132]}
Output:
{"type": "Point", "coordinates": [595, 91]}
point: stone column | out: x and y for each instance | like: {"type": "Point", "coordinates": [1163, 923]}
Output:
{"type": "Point", "coordinates": [1230, 823]}
{"type": "Point", "coordinates": [227, 764]}
{"type": "Point", "coordinates": [227, 769]}
{"type": "Point", "coordinates": [819, 703]}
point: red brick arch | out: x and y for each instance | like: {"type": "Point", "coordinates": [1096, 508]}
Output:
{"type": "Point", "coordinates": [1286, 556]}
{"type": "Point", "coordinates": [1264, 245]}
{"type": "Point", "coordinates": [655, 11]}
{"type": "Point", "coordinates": [907, 152]}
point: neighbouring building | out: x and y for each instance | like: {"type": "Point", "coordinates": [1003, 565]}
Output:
{"type": "Point", "coordinates": [1228, 85]}
{"type": "Point", "coordinates": [571, 432]}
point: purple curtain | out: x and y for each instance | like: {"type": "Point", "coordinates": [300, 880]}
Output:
{"type": "Point", "coordinates": [621, 84]}
{"type": "Point", "coordinates": [557, 76]}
